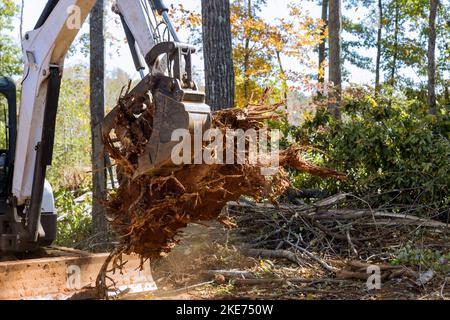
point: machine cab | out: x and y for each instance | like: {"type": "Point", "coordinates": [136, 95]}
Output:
{"type": "Point", "coordinates": [8, 114]}
{"type": "Point", "coordinates": [9, 228]}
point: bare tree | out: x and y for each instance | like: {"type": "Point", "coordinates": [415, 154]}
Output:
{"type": "Point", "coordinates": [322, 47]}
{"type": "Point", "coordinates": [379, 38]}
{"type": "Point", "coordinates": [392, 81]}
{"type": "Point", "coordinates": [97, 107]}
{"type": "Point", "coordinates": [335, 73]}
{"type": "Point", "coordinates": [432, 57]}
{"type": "Point", "coordinates": [218, 53]}
{"type": "Point", "coordinates": [247, 55]}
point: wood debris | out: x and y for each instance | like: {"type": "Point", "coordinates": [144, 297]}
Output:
{"type": "Point", "coordinates": [149, 212]}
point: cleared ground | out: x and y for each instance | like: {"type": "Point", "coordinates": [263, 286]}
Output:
{"type": "Point", "coordinates": [188, 273]}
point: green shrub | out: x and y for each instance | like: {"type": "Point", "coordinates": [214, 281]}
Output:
{"type": "Point", "coordinates": [396, 155]}
{"type": "Point", "coordinates": [74, 215]}
{"type": "Point", "coordinates": [412, 254]}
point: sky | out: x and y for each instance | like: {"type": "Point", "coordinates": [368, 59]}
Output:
{"type": "Point", "coordinates": [119, 56]}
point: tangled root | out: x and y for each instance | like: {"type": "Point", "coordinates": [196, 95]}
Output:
{"type": "Point", "coordinates": [149, 212]}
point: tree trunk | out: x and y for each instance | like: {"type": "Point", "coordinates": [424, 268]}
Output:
{"type": "Point", "coordinates": [97, 106]}
{"type": "Point", "coordinates": [218, 52]}
{"type": "Point", "coordinates": [322, 50]}
{"type": "Point", "coordinates": [379, 37]}
{"type": "Point", "coordinates": [247, 57]}
{"type": "Point", "coordinates": [395, 53]}
{"type": "Point", "coordinates": [283, 76]}
{"type": "Point", "coordinates": [446, 95]}
{"type": "Point", "coordinates": [335, 76]}
{"type": "Point", "coordinates": [431, 57]}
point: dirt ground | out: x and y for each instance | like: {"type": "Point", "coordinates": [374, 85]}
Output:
{"type": "Point", "coordinates": [197, 269]}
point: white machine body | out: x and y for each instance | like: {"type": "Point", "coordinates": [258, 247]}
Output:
{"type": "Point", "coordinates": [46, 47]}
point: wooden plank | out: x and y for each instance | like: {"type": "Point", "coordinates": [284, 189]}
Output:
{"type": "Point", "coordinates": [71, 276]}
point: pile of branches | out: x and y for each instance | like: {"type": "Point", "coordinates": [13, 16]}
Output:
{"type": "Point", "coordinates": [149, 212]}
{"type": "Point", "coordinates": [314, 233]}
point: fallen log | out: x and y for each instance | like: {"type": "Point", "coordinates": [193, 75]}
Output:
{"type": "Point", "coordinates": [359, 270]}
{"type": "Point", "coordinates": [270, 254]}
{"type": "Point", "coordinates": [395, 217]}
{"type": "Point", "coordinates": [319, 211]}
{"type": "Point", "coordinates": [265, 281]}
{"type": "Point", "coordinates": [230, 273]}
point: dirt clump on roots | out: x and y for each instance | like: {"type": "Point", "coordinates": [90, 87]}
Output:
{"type": "Point", "coordinates": [149, 212]}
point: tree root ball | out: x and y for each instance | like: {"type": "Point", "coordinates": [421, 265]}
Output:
{"type": "Point", "coordinates": [149, 212]}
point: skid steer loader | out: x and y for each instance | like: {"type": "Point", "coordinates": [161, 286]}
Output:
{"type": "Point", "coordinates": [27, 210]}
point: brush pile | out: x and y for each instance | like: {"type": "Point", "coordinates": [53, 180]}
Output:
{"type": "Point", "coordinates": [149, 212]}
{"type": "Point", "coordinates": [328, 229]}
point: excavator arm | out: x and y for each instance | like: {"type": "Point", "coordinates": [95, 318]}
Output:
{"type": "Point", "coordinates": [44, 50]}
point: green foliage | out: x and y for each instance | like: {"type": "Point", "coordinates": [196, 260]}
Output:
{"type": "Point", "coordinates": [404, 42]}
{"type": "Point", "coordinates": [361, 35]}
{"type": "Point", "coordinates": [3, 122]}
{"type": "Point", "coordinates": [443, 47]}
{"type": "Point", "coordinates": [72, 147]}
{"type": "Point", "coordinates": [74, 215]}
{"type": "Point", "coordinates": [10, 62]}
{"type": "Point", "coordinates": [412, 254]}
{"type": "Point", "coordinates": [395, 154]}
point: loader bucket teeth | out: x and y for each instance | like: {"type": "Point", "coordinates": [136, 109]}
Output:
{"type": "Point", "coordinates": [158, 105]}
{"type": "Point", "coordinates": [170, 115]}
{"type": "Point", "coordinates": [172, 108]}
